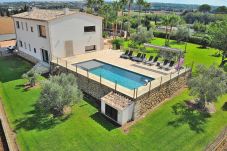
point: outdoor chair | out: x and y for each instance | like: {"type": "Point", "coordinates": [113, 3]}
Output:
{"type": "Point", "coordinates": [165, 63]}
{"type": "Point", "coordinates": [154, 61]}
{"type": "Point", "coordinates": [170, 66]}
{"type": "Point", "coordinates": [141, 59]}
{"type": "Point", "coordinates": [149, 60]}
{"type": "Point", "coordinates": [129, 55]}
{"type": "Point", "coordinates": [125, 54]}
{"type": "Point", "coordinates": [136, 57]}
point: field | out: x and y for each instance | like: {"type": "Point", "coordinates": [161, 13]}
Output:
{"type": "Point", "coordinates": [6, 25]}
{"type": "Point", "coordinates": [86, 129]}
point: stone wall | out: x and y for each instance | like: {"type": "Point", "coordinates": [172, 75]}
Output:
{"type": "Point", "coordinates": [159, 94]}
{"type": "Point", "coordinates": [142, 103]}
{"type": "Point", "coordinates": [91, 87]}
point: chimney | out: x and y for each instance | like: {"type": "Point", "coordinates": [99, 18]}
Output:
{"type": "Point", "coordinates": [66, 11]}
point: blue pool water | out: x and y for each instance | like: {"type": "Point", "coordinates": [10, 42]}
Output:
{"type": "Point", "coordinates": [112, 73]}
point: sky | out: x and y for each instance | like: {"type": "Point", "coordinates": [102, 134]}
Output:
{"type": "Point", "coordinates": [199, 2]}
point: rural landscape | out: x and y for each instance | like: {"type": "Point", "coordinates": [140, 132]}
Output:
{"type": "Point", "coordinates": [113, 75]}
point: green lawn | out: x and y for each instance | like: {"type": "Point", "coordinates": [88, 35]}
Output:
{"type": "Point", "coordinates": [86, 129]}
{"type": "Point", "coordinates": [194, 54]}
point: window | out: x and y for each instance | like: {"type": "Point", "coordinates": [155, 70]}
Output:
{"type": "Point", "coordinates": [111, 112]}
{"type": "Point", "coordinates": [22, 25]}
{"type": "Point", "coordinates": [29, 46]}
{"type": "Point", "coordinates": [89, 28]}
{"type": "Point", "coordinates": [90, 48]}
{"type": "Point", "coordinates": [25, 45]}
{"type": "Point", "coordinates": [34, 50]}
{"type": "Point", "coordinates": [42, 31]}
{"type": "Point", "coordinates": [45, 55]}
{"type": "Point", "coordinates": [26, 25]}
{"type": "Point", "coordinates": [21, 44]}
{"type": "Point", "coordinates": [18, 24]}
{"type": "Point", "coordinates": [31, 29]}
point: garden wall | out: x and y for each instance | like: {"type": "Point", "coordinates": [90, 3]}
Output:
{"type": "Point", "coordinates": [142, 103]}
{"type": "Point", "coordinates": [159, 94]}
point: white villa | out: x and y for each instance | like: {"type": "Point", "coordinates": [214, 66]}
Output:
{"type": "Point", "coordinates": [43, 34]}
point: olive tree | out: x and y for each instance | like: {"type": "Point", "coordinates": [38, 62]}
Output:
{"type": "Point", "coordinates": [206, 41]}
{"type": "Point", "coordinates": [59, 92]}
{"type": "Point", "coordinates": [142, 35]}
{"type": "Point", "coordinates": [208, 84]}
{"type": "Point", "coordinates": [31, 76]}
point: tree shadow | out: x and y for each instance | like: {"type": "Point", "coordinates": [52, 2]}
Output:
{"type": "Point", "coordinates": [36, 119]}
{"type": "Point", "coordinates": [224, 107]}
{"type": "Point", "coordinates": [189, 115]}
{"type": "Point", "coordinates": [103, 121]}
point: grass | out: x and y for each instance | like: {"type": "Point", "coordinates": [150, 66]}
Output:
{"type": "Point", "coordinates": [195, 54]}
{"type": "Point", "coordinates": [86, 129]}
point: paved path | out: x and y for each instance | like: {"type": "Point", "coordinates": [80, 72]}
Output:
{"type": "Point", "coordinates": [9, 134]}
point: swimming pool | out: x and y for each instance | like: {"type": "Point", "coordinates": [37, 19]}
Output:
{"type": "Point", "coordinates": [115, 74]}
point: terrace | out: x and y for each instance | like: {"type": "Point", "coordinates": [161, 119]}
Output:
{"type": "Point", "coordinates": [112, 57]}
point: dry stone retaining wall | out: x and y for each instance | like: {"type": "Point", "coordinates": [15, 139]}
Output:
{"type": "Point", "coordinates": [159, 94]}
{"type": "Point", "coordinates": [142, 103]}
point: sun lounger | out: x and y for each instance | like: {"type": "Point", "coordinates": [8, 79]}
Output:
{"type": "Point", "coordinates": [127, 56]}
{"type": "Point", "coordinates": [164, 63]}
{"type": "Point", "coordinates": [170, 66]}
{"type": "Point", "coordinates": [136, 57]}
{"type": "Point", "coordinates": [154, 61]}
{"type": "Point", "coordinates": [149, 60]}
{"type": "Point", "coordinates": [141, 59]}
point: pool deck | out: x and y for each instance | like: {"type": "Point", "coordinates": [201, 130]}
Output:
{"type": "Point", "coordinates": [113, 57]}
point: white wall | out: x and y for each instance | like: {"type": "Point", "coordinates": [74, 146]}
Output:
{"type": "Point", "coordinates": [123, 116]}
{"type": "Point", "coordinates": [72, 28]}
{"type": "Point", "coordinates": [32, 38]}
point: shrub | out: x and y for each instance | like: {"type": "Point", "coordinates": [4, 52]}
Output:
{"type": "Point", "coordinates": [117, 43]}
{"type": "Point", "coordinates": [57, 93]}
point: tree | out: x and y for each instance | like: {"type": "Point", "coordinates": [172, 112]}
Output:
{"type": "Point", "coordinates": [123, 4]}
{"type": "Point", "coordinates": [183, 34]}
{"type": "Point", "coordinates": [59, 92]}
{"type": "Point", "coordinates": [166, 23]}
{"type": "Point", "coordinates": [130, 2]}
{"type": "Point", "coordinates": [204, 8]}
{"type": "Point", "coordinates": [140, 3]}
{"type": "Point", "coordinates": [208, 84]}
{"type": "Point", "coordinates": [31, 76]}
{"type": "Point", "coordinates": [142, 35]}
{"type": "Point", "coordinates": [174, 21]}
{"type": "Point", "coordinates": [218, 32]}
{"type": "Point", "coordinates": [221, 9]}
{"type": "Point", "coordinates": [206, 41]}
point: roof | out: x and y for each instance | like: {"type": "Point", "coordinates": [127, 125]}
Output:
{"type": "Point", "coordinates": [47, 15]}
{"type": "Point", "coordinates": [117, 101]}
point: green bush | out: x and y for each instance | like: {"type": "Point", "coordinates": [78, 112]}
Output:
{"type": "Point", "coordinates": [117, 43]}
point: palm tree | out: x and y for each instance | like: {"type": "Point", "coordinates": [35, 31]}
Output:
{"type": "Point", "coordinates": [166, 23]}
{"type": "Point", "coordinates": [146, 6]}
{"type": "Point", "coordinates": [174, 20]}
{"type": "Point", "coordinates": [130, 2]}
{"type": "Point", "coordinates": [123, 3]}
{"type": "Point", "coordinates": [116, 9]}
{"type": "Point", "coordinates": [140, 3]}
{"type": "Point", "coordinates": [105, 12]}
{"type": "Point", "coordinates": [90, 4]}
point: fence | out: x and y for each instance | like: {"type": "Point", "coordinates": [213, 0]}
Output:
{"type": "Point", "coordinates": [132, 93]}
{"type": "Point", "coordinates": [218, 141]}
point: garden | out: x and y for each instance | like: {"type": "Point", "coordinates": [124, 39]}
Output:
{"type": "Point", "coordinates": [170, 127]}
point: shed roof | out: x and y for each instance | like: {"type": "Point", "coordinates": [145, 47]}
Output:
{"type": "Point", "coordinates": [117, 101]}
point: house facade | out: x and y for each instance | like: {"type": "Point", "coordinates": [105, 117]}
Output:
{"type": "Point", "coordinates": [43, 34]}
